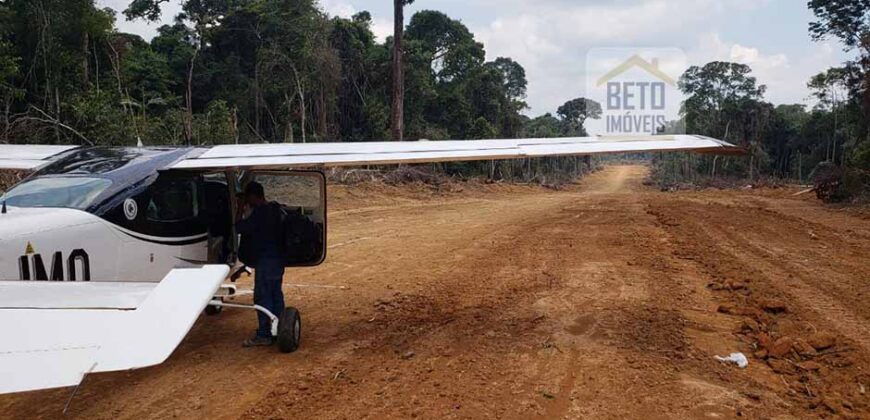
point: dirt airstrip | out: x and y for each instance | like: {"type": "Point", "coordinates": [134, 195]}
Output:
{"type": "Point", "coordinates": [605, 300]}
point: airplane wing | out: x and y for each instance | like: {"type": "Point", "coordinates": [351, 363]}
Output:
{"type": "Point", "coordinates": [26, 156]}
{"type": "Point", "coordinates": [289, 155]}
{"type": "Point", "coordinates": [54, 333]}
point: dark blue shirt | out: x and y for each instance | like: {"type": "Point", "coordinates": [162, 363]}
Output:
{"type": "Point", "coordinates": [263, 233]}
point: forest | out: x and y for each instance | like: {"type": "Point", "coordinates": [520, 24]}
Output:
{"type": "Point", "coordinates": [254, 71]}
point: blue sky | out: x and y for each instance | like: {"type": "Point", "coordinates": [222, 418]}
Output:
{"type": "Point", "coordinates": [551, 38]}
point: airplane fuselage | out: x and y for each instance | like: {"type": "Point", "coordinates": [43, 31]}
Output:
{"type": "Point", "coordinates": [56, 244]}
{"type": "Point", "coordinates": [116, 214]}
{"type": "Point", "coordinates": [105, 214]}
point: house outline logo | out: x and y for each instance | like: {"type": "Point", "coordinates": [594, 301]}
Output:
{"type": "Point", "coordinates": [637, 61]}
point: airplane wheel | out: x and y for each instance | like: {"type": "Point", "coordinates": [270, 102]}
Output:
{"type": "Point", "coordinates": [289, 330]}
{"type": "Point", "coordinates": [212, 310]}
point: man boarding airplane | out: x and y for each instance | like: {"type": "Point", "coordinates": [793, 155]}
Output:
{"type": "Point", "coordinates": [109, 255]}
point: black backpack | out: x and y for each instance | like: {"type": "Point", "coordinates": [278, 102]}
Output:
{"type": "Point", "coordinates": [302, 238]}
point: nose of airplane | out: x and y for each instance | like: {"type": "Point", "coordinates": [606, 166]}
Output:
{"type": "Point", "coordinates": [20, 222]}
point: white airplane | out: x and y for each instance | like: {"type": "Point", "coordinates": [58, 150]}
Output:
{"type": "Point", "coordinates": [109, 254]}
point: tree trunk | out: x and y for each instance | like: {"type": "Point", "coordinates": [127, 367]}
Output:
{"type": "Point", "coordinates": [85, 52]}
{"type": "Point", "coordinates": [398, 114]}
{"type": "Point", "coordinates": [96, 66]}
{"type": "Point", "coordinates": [713, 172]}
{"type": "Point", "coordinates": [234, 119]}
{"type": "Point", "coordinates": [257, 98]}
{"type": "Point", "coordinates": [323, 123]}
{"type": "Point", "coordinates": [288, 134]}
{"type": "Point", "coordinates": [302, 110]}
{"type": "Point", "coordinates": [188, 115]}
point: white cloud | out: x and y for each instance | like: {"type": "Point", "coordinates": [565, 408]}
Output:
{"type": "Point", "coordinates": [550, 38]}
{"type": "Point", "coordinates": [785, 77]}
{"type": "Point", "coordinates": [382, 28]}
{"type": "Point", "coordinates": [338, 8]}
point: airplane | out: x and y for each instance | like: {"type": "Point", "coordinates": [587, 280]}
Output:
{"type": "Point", "coordinates": [108, 255]}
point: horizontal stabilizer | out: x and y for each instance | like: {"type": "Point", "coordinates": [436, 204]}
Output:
{"type": "Point", "coordinates": [49, 342]}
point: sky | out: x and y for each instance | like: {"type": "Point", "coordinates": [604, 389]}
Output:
{"type": "Point", "coordinates": [552, 38]}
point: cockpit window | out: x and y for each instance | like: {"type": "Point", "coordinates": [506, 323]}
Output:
{"type": "Point", "coordinates": [66, 192]}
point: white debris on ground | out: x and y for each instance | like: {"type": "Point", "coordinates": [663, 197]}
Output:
{"type": "Point", "coordinates": [738, 359]}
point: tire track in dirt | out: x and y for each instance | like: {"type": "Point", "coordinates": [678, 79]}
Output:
{"type": "Point", "coordinates": [773, 259]}
{"type": "Point", "coordinates": [740, 244]}
{"type": "Point", "coordinates": [811, 297]}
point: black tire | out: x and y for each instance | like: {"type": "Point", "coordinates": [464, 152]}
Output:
{"type": "Point", "coordinates": [212, 310]}
{"type": "Point", "coordinates": [289, 330]}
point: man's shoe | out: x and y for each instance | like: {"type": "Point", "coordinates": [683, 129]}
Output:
{"type": "Point", "coordinates": [258, 342]}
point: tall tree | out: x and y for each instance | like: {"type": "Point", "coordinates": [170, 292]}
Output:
{"type": "Point", "coordinates": [719, 96]}
{"type": "Point", "coordinates": [398, 114]}
{"type": "Point", "coordinates": [574, 114]}
{"type": "Point", "coordinates": [848, 20]}
{"type": "Point", "coordinates": [204, 15]}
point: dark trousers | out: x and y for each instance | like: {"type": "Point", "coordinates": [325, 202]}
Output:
{"type": "Point", "coordinates": [268, 276]}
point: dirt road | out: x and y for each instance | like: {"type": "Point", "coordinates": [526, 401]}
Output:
{"type": "Point", "coordinates": [608, 300]}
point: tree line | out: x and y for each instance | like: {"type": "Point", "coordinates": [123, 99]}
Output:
{"type": "Point", "coordinates": [253, 71]}
{"type": "Point", "coordinates": [827, 143]}
{"type": "Point", "coordinates": [247, 71]}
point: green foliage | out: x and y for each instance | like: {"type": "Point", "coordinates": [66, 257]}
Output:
{"type": "Point", "coordinates": [513, 78]}
{"type": "Point", "coordinates": [8, 67]}
{"type": "Point", "coordinates": [722, 101]}
{"type": "Point", "coordinates": [215, 125]}
{"type": "Point", "coordinates": [848, 20]}
{"type": "Point", "coordinates": [448, 44]}
{"type": "Point", "coordinates": [482, 129]}
{"type": "Point", "coordinates": [542, 127]}
{"type": "Point", "coordinates": [98, 116]}
{"type": "Point", "coordinates": [861, 157]}
{"type": "Point", "coordinates": [144, 9]}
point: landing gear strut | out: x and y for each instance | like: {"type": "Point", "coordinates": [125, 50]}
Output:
{"type": "Point", "coordinates": [287, 330]}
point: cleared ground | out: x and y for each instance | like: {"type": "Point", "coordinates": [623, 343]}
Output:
{"type": "Point", "coordinates": [608, 300]}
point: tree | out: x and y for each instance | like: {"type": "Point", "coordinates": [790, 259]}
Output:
{"type": "Point", "coordinates": [398, 94]}
{"type": "Point", "coordinates": [720, 97]}
{"type": "Point", "coordinates": [482, 129]}
{"type": "Point", "coordinates": [848, 20]}
{"type": "Point", "coordinates": [363, 113]}
{"type": "Point", "coordinates": [452, 51]}
{"type": "Point", "coordinates": [574, 114]}
{"type": "Point", "coordinates": [831, 88]}
{"type": "Point", "coordinates": [543, 126]}
{"type": "Point", "coordinates": [204, 15]}
{"type": "Point", "coordinates": [513, 78]}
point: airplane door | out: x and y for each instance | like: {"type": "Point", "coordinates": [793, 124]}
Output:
{"type": "Point", "coordinates": [302, 195]}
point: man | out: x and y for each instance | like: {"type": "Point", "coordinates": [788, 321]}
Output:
{"type": "Point", "coordinates": [261, 238]}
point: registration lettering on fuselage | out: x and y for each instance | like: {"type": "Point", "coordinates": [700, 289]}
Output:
{"type": "Point", "coordinates": [76, 266]}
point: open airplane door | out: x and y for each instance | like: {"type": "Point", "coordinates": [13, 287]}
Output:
{"type": "Point", "coordinates": [55, 333]}
{"type": "Point", "coordinates": [302, 195]}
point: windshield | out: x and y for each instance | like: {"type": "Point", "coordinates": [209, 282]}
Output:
{"type": "Point", "coordinates": [67, 192]}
